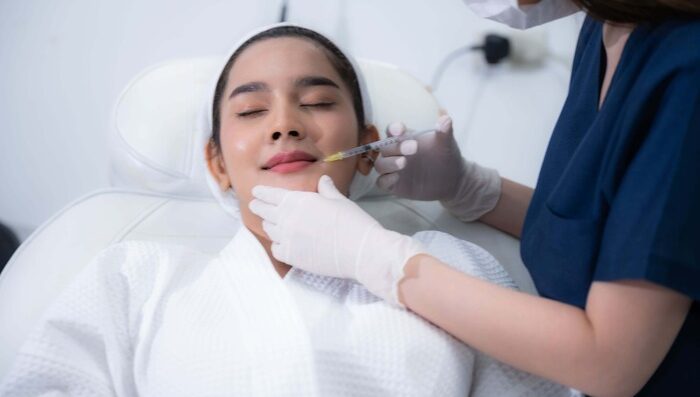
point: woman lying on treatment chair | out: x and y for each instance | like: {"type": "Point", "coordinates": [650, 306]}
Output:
{"type": "Point", "coordinates": [155, 320]}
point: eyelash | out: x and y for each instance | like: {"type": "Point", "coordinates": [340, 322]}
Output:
{"type": "Point", "coordinates": [321, 105]}
{"type": "Point", "coordinates": [249, 113]}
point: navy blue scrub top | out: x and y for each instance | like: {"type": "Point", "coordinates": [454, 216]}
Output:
{"type": "Point", "coordinates": [618, 196]}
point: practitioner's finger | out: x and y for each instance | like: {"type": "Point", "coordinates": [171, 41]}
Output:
{"type": "Point", "coordinates": [269, 194]}
{"type": "Point", "coordinates": [388, 181]}
{"type": "Point", "coordinates": [272, 231]}
{"type": "Point", "coordinates": [405, 148]}
{"type": "Point", "coordinates": [395, 129]}
{"type": "Point", "coordinates": [279, 252]}
{"type": "Point", "coordinates": [443, 128]}
{"type": "Point", "coordinates": [264, 210]}
{"type": "Point", "coordinates": [327, 189]}
{"type": "Point", "coordinates": [386, 165]}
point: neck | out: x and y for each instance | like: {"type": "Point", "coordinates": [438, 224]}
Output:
{"type": "Point", "coordinates": [281, 267]}
{"type": "Point", "coordinates": [614, 39]}
{"type": "Point", "coordinates": [615, 35]}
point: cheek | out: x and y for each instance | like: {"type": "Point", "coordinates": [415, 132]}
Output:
{"type": "Point", "coordinates": [241, 158]}
{"type": "Point", "coordinates": [341, 133]}
{"type": "Point", "coordinates": [346, 175]}
{"type": "Point", "coordinates": [342, 130]}
{"type": "Point", "coordinates": [342, 172]}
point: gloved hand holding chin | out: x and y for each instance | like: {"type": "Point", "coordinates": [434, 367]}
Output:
{"type": "Point", "coordinates": [327, 233]}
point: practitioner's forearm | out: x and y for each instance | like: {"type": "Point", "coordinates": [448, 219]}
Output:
{"type": "Point", "coordinates": [557, 341]}
{"type": "Point", "coordinates": [525, 331]}
{"type": "Point", "coordinates": [509, 213]}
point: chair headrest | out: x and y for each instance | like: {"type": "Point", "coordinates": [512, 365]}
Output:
{"type": "Point", "coordinates": [156, 116]}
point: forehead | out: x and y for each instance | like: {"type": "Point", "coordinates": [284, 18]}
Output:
{"type": "Point", "coordinates": [281, 58]}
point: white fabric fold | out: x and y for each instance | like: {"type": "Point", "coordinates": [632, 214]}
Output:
{"type": "Point", "coordinates": [156, 320]}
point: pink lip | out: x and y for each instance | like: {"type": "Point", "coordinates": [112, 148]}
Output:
{"type": "Point", "coordinates": [286, 162]}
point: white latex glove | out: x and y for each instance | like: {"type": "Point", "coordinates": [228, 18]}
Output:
{"type": "Point", "coordinates": [431, 167]}
{"type": "Point", "coordinates": [328, 234]}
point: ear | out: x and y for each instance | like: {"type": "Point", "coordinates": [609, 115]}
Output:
{"type": "Point", "coordinates": [217, 168]}
{"type": "Point", "coordinates": [366, 162]}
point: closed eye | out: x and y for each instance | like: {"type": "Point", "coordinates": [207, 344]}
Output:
{"type": "Point", "coordinates": [321, 105]}
{"type": "Point", "coordinates": [249, 113]}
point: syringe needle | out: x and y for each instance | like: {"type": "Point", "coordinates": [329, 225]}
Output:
{"type": "Point", "coordinates": [376, 145]}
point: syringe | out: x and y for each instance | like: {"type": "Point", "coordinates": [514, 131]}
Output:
{"type": "Point", "coordinates": [376, 145]}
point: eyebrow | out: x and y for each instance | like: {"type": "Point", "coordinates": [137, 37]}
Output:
{"type": "Point", "coordinates": [311, 81]}
{"type": "Point", "coordinates": [307, 81]}
{"type": "Point", "coordinates": [255, 86]}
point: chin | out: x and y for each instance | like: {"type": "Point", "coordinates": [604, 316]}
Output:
{"type": "Point", "coordinates": [299, 181]}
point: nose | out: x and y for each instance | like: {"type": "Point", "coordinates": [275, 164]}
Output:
{"type": "Point", "coordinates": [286, 123]}
{"type": "Point", "coordinates": [291, 134]}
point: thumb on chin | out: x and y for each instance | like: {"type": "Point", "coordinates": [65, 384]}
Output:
{"type": "Point", "coordinates": [327, 189]}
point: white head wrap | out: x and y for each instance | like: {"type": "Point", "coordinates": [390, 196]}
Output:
{"type": "Point", "coordinates": [361, 184]}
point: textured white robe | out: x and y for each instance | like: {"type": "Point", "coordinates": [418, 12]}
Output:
{"type": "Point", "coordinates": [153, 320]}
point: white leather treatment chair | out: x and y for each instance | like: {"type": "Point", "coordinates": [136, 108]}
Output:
{"type": "Point", "coordinates": [158, 196]}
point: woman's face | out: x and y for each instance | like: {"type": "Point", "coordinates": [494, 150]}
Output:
{"type": "Point", "coordinates": [283, 110]}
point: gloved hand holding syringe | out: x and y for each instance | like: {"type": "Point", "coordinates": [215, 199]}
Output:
{"type": "Point", "coordinates": [376, 145]}
{"type": "Point", "coordinates": [436, 171]}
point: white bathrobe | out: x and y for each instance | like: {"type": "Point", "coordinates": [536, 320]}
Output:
{"type": "Point", "coordinates": [152, 320]}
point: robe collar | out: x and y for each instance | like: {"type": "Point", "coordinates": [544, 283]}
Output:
{"type": "Point", "coordinates": [274, 331]}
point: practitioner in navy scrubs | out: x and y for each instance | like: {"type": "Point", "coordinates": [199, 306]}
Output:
{"type": "Point", "coordinates": [618, 196]}
{"type": "Point", "coordinates": [610, 235]}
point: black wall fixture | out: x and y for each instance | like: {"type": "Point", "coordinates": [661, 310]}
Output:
{"type": "Point", "coordinates": [8, 245]}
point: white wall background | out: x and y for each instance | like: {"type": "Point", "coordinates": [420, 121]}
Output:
{"type": "Point", "coordinates": [63, 64]}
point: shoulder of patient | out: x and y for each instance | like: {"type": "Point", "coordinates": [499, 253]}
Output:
{"type": "Point", "coordinates": [138, 262]}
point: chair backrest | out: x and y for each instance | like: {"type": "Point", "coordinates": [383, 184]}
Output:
{"type": "Point", "coordinates": [160, 194]}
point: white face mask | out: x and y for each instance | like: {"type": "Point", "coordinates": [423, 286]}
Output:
{"type": "Point", "coordinates": [522, 17]}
